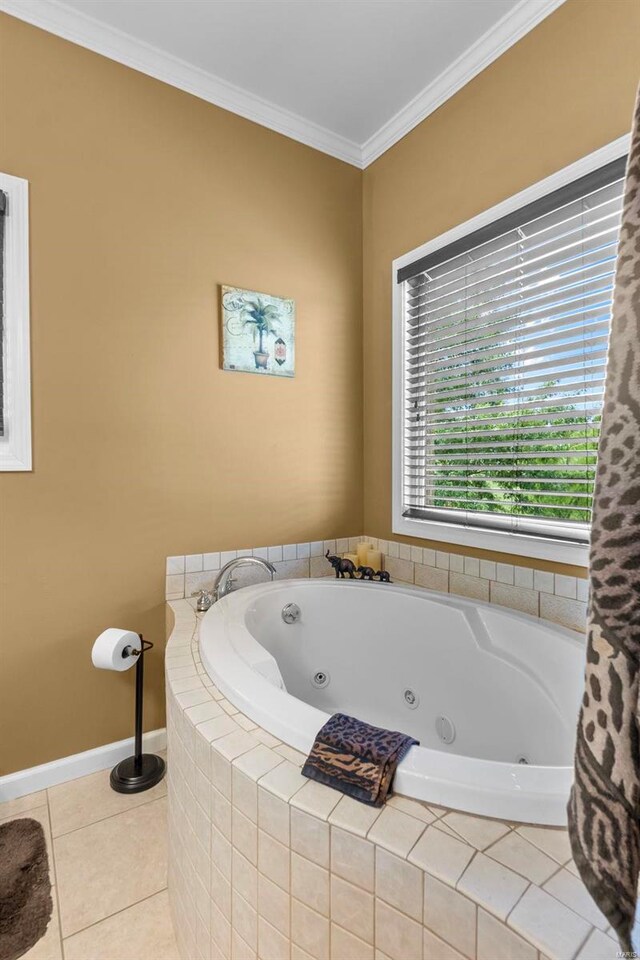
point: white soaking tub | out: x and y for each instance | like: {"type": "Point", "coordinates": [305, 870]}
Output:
{"type": "Point", "coordinates": [492, 695]}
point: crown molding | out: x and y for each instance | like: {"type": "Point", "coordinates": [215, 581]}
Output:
{"type": "Point", "coordinates": [508, 30]}
{"type": "Point", "coordinates": [77, 27]}
{"type": "Point", "coordinates": [71, 24]}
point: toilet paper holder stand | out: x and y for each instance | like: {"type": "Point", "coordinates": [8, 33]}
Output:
{"type": "Point", "coordinates": [143, 770]}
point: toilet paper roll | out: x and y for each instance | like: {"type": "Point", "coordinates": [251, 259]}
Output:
{"type": "Point", "coordinates": [109, 650]}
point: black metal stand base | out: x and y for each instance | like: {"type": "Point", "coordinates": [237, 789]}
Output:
{"type": "Point", "coordinates": [134, 775]}
{"type": "Point", "coordinates": [142, 770]}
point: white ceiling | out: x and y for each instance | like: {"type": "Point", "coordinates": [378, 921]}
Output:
{"type": "Point", "coordinates": [347, 76]}
{"type": "Point", "coordinates": [348, 67]}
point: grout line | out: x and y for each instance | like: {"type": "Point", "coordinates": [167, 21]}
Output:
{"type": "Point", "coordinates": [477, 928]}
{"type": "Point", "coordinates": [529, 884]}
{"type": "Point", "coordinates": [55, 873]}
{"type": "Point", "coordinates": [111, 816]}
{"type": "Point", "coordinates": [109, 916]}
{"type": "Point", "coordinates": [455, 885]}
{"type": "Point", "coordinates": [554, 874]}
{"type": "Point", "coordinates": [584, 941]}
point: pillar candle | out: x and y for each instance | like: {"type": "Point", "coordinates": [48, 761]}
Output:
{"type": "Point", "coordinates": [363, 551]}
{"type": "Point", "coordinates": [374, 559]}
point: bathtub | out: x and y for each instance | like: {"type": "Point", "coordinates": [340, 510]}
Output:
{"type": "Point", "coordinates": [492, 695]}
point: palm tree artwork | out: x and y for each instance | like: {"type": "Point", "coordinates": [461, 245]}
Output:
{"type": "Point", "coordinates": [258, 332]}
{"type": "Point", "coordinates": [263, 317]}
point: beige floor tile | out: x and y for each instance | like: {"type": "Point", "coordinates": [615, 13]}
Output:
{"type": "Point", "coordinates": [13, 808]}
{"type": "Point", "coordinates": [78, 803]}
{"type": "Point", "coordinates": [49, 946]}
{"type": "Point", "coordinates": [143, 932]}
{"type": "Point", "coordinates": [110, 865]}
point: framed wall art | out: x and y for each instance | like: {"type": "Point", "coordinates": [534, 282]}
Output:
{"type": "Point", "coordinates": [258, 333]}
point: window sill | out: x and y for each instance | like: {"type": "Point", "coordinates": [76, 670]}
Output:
{"type": "Point", "coordinates": [519, 544]}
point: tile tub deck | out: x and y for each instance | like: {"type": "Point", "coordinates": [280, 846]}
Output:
{"type": "Point", "coordinates": [264, 863]}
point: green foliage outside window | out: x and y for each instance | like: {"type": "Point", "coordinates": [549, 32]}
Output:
{"type": "Point", "coordinates": [489, 480]}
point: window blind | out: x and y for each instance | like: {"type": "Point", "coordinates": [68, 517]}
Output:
{"type": "Point", "coordinates": [505, 343]}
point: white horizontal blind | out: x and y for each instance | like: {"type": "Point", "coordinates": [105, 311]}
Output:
{"type": "Point", "coordinates": [504, 366]}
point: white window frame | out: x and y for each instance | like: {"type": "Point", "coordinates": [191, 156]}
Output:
{"type": "Point", "coordinates": [507, 541]}
{"type": "Point", "coordinates": [15, 445]}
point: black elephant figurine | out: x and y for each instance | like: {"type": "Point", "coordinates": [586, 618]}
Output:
{"type": "Point", "coordinates": [342, 566]}
{"type": "Point", "coordinates": [366, 573]}
{"type": "Point", "coordinates": [383, 576]}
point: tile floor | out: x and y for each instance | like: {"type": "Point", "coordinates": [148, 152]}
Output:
{"type": "Point", "coordinates": [108, 864]}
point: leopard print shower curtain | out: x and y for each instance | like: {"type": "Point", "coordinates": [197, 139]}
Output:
{"type": "Point", "coordinates": [604, 810]}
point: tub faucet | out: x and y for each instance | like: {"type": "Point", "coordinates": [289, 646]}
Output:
{"type": "Point", "coordinates": [223, 583]}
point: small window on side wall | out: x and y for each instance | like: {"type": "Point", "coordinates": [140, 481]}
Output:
{"type": "Point", "coordinates": [15, 371]}
{"type": "Point", "coordinates": [500, 341]}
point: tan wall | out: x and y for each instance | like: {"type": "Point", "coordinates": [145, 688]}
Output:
{"type": "Point", "coordinates": [143, 199]}
{"type": "Point", "coordinates": [564, 90]}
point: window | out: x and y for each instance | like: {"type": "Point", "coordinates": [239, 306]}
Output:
{"type": "Point", "coordinates": [503, 328]}
{"type": "Point", "coordinates": [15, 385]}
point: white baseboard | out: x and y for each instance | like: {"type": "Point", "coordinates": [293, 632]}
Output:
{"type": "Point", "coordinates": [78, 765]}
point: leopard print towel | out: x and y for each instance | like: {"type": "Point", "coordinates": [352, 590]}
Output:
{"type": "Point", "coordinates": [356, 758]}
{"type": "Point", "coordinates": [604, 807]}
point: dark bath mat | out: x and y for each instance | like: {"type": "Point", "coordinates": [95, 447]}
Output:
{"type": "Point", "coordinates": [25, 890]}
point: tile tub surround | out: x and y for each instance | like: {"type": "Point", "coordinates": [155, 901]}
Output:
{"type": "Point", "coordinates": [555, 597]}
{"type": "Point", "coordinates": [264, 863]}
{"type": "Point", "coordinates": [186, 574]}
